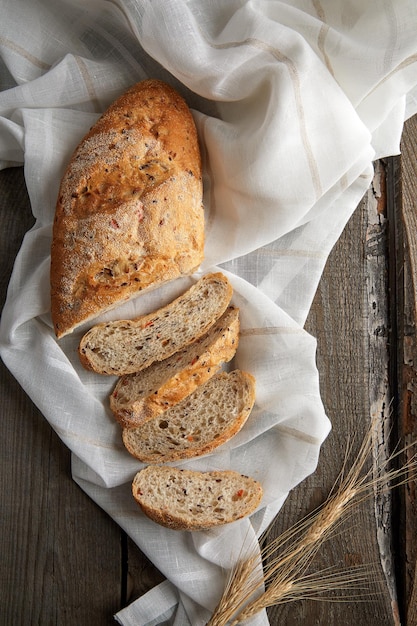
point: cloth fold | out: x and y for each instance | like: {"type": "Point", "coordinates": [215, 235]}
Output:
{"type": "Point", "coordinates": [293, 101]}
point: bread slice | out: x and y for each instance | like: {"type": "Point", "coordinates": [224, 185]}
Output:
{"type": "Point", "coordinates": [144, 395]}
{"type": "Point", "coordinates": [129, 214]}
{"type": "Point", "coordinates": [191, 500]}
{"type": "Point", "coordinates": [127, 346]}
{"type": "Point", "coordinates": [197, 425]}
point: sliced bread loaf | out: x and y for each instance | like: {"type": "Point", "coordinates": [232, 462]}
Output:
{"type": "Point", "coordinates": [146, 394]}
{"type": "Point", "coordinates": [128, 346]}
{"type": "Point", "coordinates": [197, 425]}
{"type": "Point", "coordinates": [192, 500]}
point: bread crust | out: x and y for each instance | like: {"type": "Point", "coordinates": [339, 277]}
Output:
{"type": "Point", "coordinates": [129, 214]}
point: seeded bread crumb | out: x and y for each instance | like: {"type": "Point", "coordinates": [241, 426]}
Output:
{"type": "Point", "coordinates": [197, 425]}
{"type": "Point", "coordinates": [144, 395]}
{"type": "Point", "coordinates": [127, 346]}
{"type": "Point", "coordinates": [192, 500]}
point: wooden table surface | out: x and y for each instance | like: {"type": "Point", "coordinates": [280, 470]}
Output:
{"type": "Point", "coordinates": [64, 562]}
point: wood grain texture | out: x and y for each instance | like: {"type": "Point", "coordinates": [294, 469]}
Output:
{"type": "Point", "coordinates": [379, 382]}
{"type": "Point", "coordinates": [52, 554]}
{"type": "Point", "coordinates": [406, 273]}
{"type": "Point", "coordinates": [142, 574]}
{"type": "Point", "coordinates": [339, 319]}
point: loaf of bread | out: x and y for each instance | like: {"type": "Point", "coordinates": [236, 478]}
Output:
{"type": "Point", "coordinates": [191, 500]}
{"type": "Point", "coordinates": [129, 214]}
{"type": "Point", "coordinates": [144, 395]}
{"type": "Point", "coordinates": [197, 425]}
{"type": "Point", "coordinates": [127, 346]}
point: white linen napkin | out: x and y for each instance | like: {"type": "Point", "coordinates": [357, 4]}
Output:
{"type": "Point", "coordinates": [293, 101]}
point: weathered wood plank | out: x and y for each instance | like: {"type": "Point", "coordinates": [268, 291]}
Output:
{"type": "Point", "coordinates": [55, 544]}
{"type": "Point", "coordinates": [142, 574]}
{"type": "Point", "coordinates": [339, 318]}
{"type": "Point", "coordinates": [378, 276]}
{"type": "Point", "coordinates": [60, 554]}
{"type": "Point", "coordinates": [407, 354]}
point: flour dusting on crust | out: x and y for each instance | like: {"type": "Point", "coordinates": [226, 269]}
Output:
{"type": "Point", "coordinates": [129, 214]}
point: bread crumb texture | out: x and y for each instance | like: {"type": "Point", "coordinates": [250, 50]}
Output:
{"type": "Point", "coordinates": [144, 395]}
{"type": "Point", "coordinates": [127, 346]}
{"type": "Point", "coordinates": [197, 425]}
{"type": "Point", "coordinates": [129, 214]}
{"type": "Point", "coordinates": [192, 500]}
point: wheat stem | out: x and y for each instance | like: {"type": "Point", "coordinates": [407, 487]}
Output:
{"type": "Point", "coordinates": [283, 579]}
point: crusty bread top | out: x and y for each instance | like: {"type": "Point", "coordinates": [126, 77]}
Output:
{"type": "Point", "coordinates": [192, 500]}
{"type": "Point", "coordinates": [197, 425]}
{"type": "Point", "coordinates": [128, 346]}
{"type": "Point", "coordinates": [129, 213]}
{"type": "Point", "coordinates": [146, 394]}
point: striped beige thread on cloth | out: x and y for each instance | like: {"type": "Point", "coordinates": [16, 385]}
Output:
{"type": "Point", "coordinates": [295, 78]}
{"type": "Point", "coordinates": [66, 434]}
{"type": "Point", "coordinates": [4, 41]}
{"type": "Point", "coordinates": [88, 83]}
{"type": "Point", "coordinates": [271, 330]}
{"type": "Point", "coordinates": [309, 254]}
{"type": "Point", "coordinates": [324, 30]}
{"type": "Point", "coordinates": [210, 204]}
{"type": "Point", "coordinates": [297, 434]}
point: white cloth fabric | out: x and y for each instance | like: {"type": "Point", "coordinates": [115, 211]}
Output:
{"type": "Point", "coordinates": [293, 101]}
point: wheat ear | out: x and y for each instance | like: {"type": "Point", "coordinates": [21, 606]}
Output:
{"type": "Point", "coordinates": [287, 557]}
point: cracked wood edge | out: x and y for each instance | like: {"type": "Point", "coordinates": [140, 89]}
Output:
{"type": "Point", "coordinates": [407, 357]}
{"type": "Point", "coordinates": [380, 394]}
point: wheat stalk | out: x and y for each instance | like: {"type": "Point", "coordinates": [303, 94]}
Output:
{"type": "Point", "coordinates": [283, 579]}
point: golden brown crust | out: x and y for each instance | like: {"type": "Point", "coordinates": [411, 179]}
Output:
{"type": "Point", "coordinates": [129, 213]}
{"type": "Point", "coordinates": [131, 411]}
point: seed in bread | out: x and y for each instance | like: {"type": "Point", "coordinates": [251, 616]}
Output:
{"type": "Point", "coordinates": [127, 346]}
{"type": "Point", "coordinates": [129, 214]}
{"type": "Point", "coordinates": [191, 500]}
{"type": "Point", "coordinates": [197, 425]}
{"type": "Point", "coordinates": [144, 395]}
